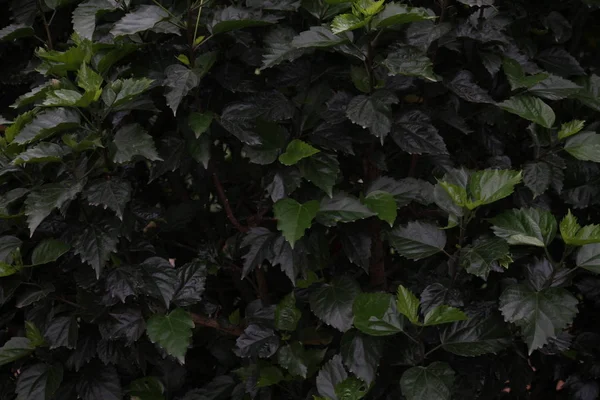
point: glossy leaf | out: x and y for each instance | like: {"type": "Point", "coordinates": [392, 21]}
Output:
{"type": "Point", "coordinates": [432, 382]}
{"type": "Point", "coordinates": [531, 109]}
{"type": "Point", "coordinates": [476, 336]}
{"type": "Point", "coordinates": [172, 332]}
{"type": "Point", "coordinates": [376, 315]}
{"type": "Point", "coordinates": [296, 151]}
{"type": "Point", "coordinates": [584, 146]}
{"type": "Point", "coordinates": [48, 251]}
{"type": "Point", "coordinates": [332, 303]}
{"type": "Point", "coordinates": [417, 240]}
{"type": "Point", "coordinates": [294, 218]}
{"type": "Point", "coordinates": [534, 227]}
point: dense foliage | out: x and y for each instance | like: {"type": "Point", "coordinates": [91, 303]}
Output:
{"type": "Point", "coordinates": [299, 199]}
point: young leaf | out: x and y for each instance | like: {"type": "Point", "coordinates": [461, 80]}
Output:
{"type": "Point", "coordinates": [383, 204]}
{"type": "Point", "coordinates": [529, 226]}
{"type": "Point", "coordinates": [346, 22]}
{"type": "Point", "coordinates": [541, 315]}
{"type": "Point", "coordinates": [489, 186]}
{"type": "Point", "coordinates": [584, 146]}
{"type": "Point", "coordinates": [530, 108]}
{"type": "Point", "coordinates": [516, 76]}
{"type": "Point", "coordinates": [570, 128]}
{"type": "Point", "coordinates": [200, 122]}
{"type": "Point", "coordinates": [172, 332]}
{"type": "Point", "coordinates": [575, 235]}
{"type": "Point", "coordinates": [294, 218]}
{"type": "Point", "coordinates": [417, 240]}
{"type": "Point", "coordinates": [332, 303]}
{"type": "Point", "coordinates": [296, 151]}
{"type": "Point", "coordinates": [443, 315]}
{"type": "Point", "coordinates": [375, 314]}
{"type": "Point", "coordinates": [433, 382]}
{"type": "Point", "coordinates": [408, 304]}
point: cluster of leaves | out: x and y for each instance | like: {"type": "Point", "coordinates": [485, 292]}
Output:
{"type": "Point", "coordinates": [299, 199]}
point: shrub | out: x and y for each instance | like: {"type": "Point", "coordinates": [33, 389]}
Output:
{"type": "Point", "coordinates": [312, 199]}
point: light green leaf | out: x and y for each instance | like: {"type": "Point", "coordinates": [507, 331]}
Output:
{"type": "Point", "coordinates": [433, 382]}
{"type": "Point", "coordinates": [8, 269]}
{"type": "Point", "coordinates": [287, 314]}
{"type": "Point", "coordinates": [346, 22]}
{"type": "Point", "coordinates": [294, 218]}
{"type": "Point", "coordinates": [408, 304]}
{"type": "Point", "coordinates": [48, 251]}
{"type": "Point", "coordinates": [90, 81]}
{"type": "Point", "coordinates": [64, 98]}
{"type": "Point", "coordinates": [417, 240]}
{"type": "Point", "coordinates": [540, 315]}
{"type": "Point", "coordinates": [296, 151]}
{"type": "Point", "coordinates": [332, 302]}
{"type": "Point", "coordinates": [131, 141]}
{"type": "Point", "coordinates": [43, 152]}
{"type": "Point", "coordinates": [179, 81]}
{"type": "Point", "coordinates": [200, 122]}
{"type": "Point", "coordinates": [443, 315]}
{"type": "Point", "coordinates": [489, 186]}
{"type": "Point", "coordinates": [584, 146]}
{"type": "Point", "coordinates": [84, 16]}
{"type": "Point", "coordinates": [172, 332]}
{"type": "Point", "coordinates": [341, 208]}
{"type": "Point", "coordinates": [530, 108]}
{"type": "Point", "coordinates": [483, 256]}
{"type": "Point", "coordinates": [269, 376]}
{"type": "Point", "coordinates": [41, 202]}
{"type": "Point", "coordinates": [46, 124]}
{"type": "Point", "coordinates": [398, 14]}
{"type": "Point", "coordinates": [375, 314]}
{"type": "Point", "coordinates": [575, 235]}
{"type": "Point", "coordinates": [34, 95]}
{"type": "Point", "coordinates": [528, 226]}
{"type": "Point", "coordinates": [145, 17]}
{"type": "Point", "coordinates": [15, 31]}
{"type": "Point", "coordinates": [366, 8]}
{"type": "Point", "coordinates": [409, 61]}
{"type": "Point", "coordinates": [351, 388]}
{"type": "Point", "coordinates": [317, 36]}
{"type": "Point", "coordinates": [15, 348]}
{"type": "Point", "coordinates": [476, 336]}
{"type": "Point", "coordinates": [570, 128]}
{"type": "Point", "coordinates": [322, 170]}
{"type": "Point", "coordinates": [383, 204]}
{"type": "Point", "coordinates": [33, 334]}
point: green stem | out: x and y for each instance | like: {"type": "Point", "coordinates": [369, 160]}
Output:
{"type": "Point", "coordinates": [168, 12]}
{"type": "Point", "coordinates": [197, 22]}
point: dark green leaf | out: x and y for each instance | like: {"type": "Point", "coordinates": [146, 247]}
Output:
{"type": "Point", "coordinates": [537, 177]}
{"type": "Point", "coordinates": [200, 122]}
{"type": "Point", "coordinates": [588, 257]}
{"type": "Point", "coordinates": [484, 256]}
{"type": "Point", "coordinates": [341, 208]}
{"type": "Point", "coordinates": [475, 337]}
{"type": "Point", "coordinates": [119, 94]}
{"type": "Point", "coordinates": [332, 302]}
{"type": "Point", "coordinates": [232, 18]}
{"type": "Point", "coordinates": [330, 375]}
{"type": "Point", "coordinates": [375, 314]}
{"type": "Point", "coordinates": [46, 124]}
{"type": "Point", "coordinates": [415, 134]}
{"type": "Point", "coordinates": [443, 315]}
{"type": "Point", "coordinates": [292, 358]}
{"type": "Point", "coordinates": [42, 202]}
{"type": "Point", "coordinates": [410, 61]}
{"type": "Point", "coordinates": [322, 170]}
{"type": "Point", "coordinates": [351, 388]}
{"type": "Point", "coordinates": [131, 141]}
{"type": "Point", "coordinates": [317, 36]}
{"type": "Point", "coordinates": [48, 251]}
{"type": "Point", "coordinates": [516, 76]}
{"type": "Point", "coordinates": [125, 323]}
{"type": "Point", "coordinates": [191, 282]}
{"type": "Point", "coordinates": [145, 17]}
{"type": "Point", "coordinates": [172, 332]}
{"type": "Point", "coordinates": [42, 153]}
{"type": "Point", "coordinates": [589, 95]}
{"type": "Point", "coordinates": [417, 240]}
{"type": "Point", "coordinates": [554, 88]}
{"type": "Point", "coordinates": [257, 341]}
{"type": "Point", "coordinates": [99, 382]}
{"type": "Point", "coordinates": [39, 382]}
{"type": "Point", "coordinates": [62, 332]}
{"type": "Point", "coordinates": [433, 382]}
{"type": "Point", "coordinates": [95, 244]}
{"type": "Point", "coordinates": [278, 43]}
{"type": "Point", "coordinates": [15, 31]}
{"type": "Point", "coordinates": [559, 61]}
{"type": "Point", "coordinates": [361, 354]}
{"type": "Point", "coordinates": [383, 204]}
{"type": "Point", "coordinates": [531, 109]}
{"type": "Point", "coordinates": [541, 315]}
{"type": "Point", "coordinates": [529, 226]}
{"type": "Point", "coordinates": [109, 193]}
{"type": "Point", "coordinates": [160, 279]}
{"type": "Point", "coordinates": [398, 14]}
{"type": "Point", "coordinates": [147, 388]}
{"type": "Point", "coordinates": [84, 16]}
{"type": "Point", "coordinates": [269, 376]}
{"type": "Point", "coordinates": [373, 112]}
{"type": "Point", "coordinates": [465, 87]}
{"type": "Point", "coordinates": [179, 81]}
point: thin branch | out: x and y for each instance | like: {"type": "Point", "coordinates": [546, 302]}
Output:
{"type": "Point", "coordinates": [213, 323]}
{"type": "Point", "coordinates": [46, 26]}
{"type": "Point", "coordinates": [225, 203]}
